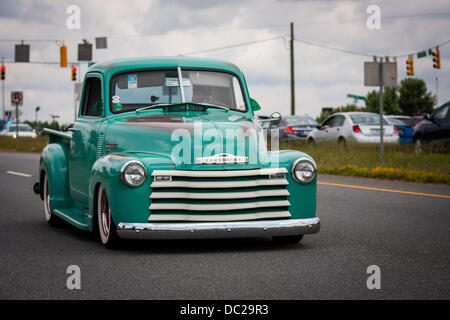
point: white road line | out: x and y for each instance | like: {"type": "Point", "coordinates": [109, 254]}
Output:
{"type": "Point", "coordinates": [26, 175]}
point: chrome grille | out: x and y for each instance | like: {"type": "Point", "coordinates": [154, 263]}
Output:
{"type": "Point", "coordinates": [228, 195]}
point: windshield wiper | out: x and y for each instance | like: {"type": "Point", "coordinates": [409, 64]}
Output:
{"type": "Point", "coordinates": [210, 105]}
{"type": "Point", "coordinates": [154, 106]}
{"type": "Point", "coordinates": [161, 105]}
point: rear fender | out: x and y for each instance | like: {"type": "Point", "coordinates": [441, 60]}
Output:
{"type": "Point", "coordinates": [55, 163]}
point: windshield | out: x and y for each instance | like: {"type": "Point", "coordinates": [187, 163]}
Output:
{"type": "Point", "coordinates": [366, 119]}
{"type": "Point", "coordinates": [133, 90]}
{"type": "Point", "coordinates": [300, 121]}
{"type": "Point", "coordinates": [22, 128]}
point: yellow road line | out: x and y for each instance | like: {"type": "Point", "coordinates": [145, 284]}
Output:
{"type": "Point", "coordinates": [385, 190]}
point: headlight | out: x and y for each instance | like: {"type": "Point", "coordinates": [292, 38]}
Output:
{"type": "Point", "coordinates": [133, 173]}
{"type": "Point", "coordinates": [304, 170]}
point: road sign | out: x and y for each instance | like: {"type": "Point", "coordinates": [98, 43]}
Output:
{"type": "Point", "coordinates": [355, 97]}
{"type": "Point", "coordinates": [100, 43]}
{"type": "Point", "coordinates": [371, 74]}
{"type": "Point", "coordinates": [85, 51]}
{"type": "Point", "coordinates": [17, 97]}
{"type": "Point", "coordinates": [421, 54]}
{"type": "Point", "coordinates": [22, 53]}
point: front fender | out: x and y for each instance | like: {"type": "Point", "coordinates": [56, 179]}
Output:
{"type": "Point", "coordinates": [128, 204]}
{"type": "Point", "coordinates": [302, 197]}
{"type": "Point", "coordinates": [54, 162]}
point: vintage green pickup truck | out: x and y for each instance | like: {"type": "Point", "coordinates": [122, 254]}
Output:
{"type": "Point", "coordinates": [169, 148]}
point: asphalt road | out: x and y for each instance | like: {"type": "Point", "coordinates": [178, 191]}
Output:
{"type": "Point", "coordinates": [406, 235]}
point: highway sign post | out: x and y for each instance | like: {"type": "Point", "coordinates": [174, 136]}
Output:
{"type": "Point", "coordinates": [17, 99]}
{"type": "Point", "coordinates": [379, 73]}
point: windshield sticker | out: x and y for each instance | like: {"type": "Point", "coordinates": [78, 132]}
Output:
{"type": "Point", "coordinates": [115, 99]}
{"type": "Point", "coordinates": [132, 81]}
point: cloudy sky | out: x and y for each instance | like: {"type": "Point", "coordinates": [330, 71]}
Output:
{"type": "Point", "coordinates": [169, 27]}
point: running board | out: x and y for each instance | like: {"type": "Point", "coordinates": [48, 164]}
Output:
{"type": "Point", "coordinates": [73, 216]}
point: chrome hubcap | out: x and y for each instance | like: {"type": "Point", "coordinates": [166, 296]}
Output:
{"type": "Point", "coordinates": [105, 214]}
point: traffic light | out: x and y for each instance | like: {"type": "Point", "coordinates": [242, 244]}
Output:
{"type": "Point", "coordinates": [410, 66]}
{"type": "Point", "coordinates": [2, 69]}
{"type": "Point", "coordinates": [74, 73]}
{"type": "Point", "coordinates": [436, 59]}
{"type": "Point", "coordinates": [63, 56]}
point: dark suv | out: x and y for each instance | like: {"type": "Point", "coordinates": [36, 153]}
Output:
{"type": "Point", "coordinates": [434, 127]}
{"type": "Point", "coordinates": [291, 127]}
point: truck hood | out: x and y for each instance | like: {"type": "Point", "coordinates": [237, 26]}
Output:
{"type": "Point", "coordinates": [192, 140]}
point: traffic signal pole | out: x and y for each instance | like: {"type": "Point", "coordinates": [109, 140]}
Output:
{"type": "Point", "coordinates": [292, 71]}
{"type": "Point", "coordinates": [17, 119]}
{"type": "Point", "coordinates": [3, 100]}
{"type": "Point", "coordinates": [3, 96]}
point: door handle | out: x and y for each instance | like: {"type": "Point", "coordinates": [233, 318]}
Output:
{"type": "Point", "coordinates": [73, 130]}
{"type": "Point", "coordinates": [337, 129]}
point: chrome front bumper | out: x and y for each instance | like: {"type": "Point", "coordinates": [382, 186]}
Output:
{"type": "Point", "coordinates": [203, 230]}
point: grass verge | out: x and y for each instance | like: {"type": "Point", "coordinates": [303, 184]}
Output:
{"type": "Point", "coordinates": [23, 144]}
{"type": "Point", "coordinates": [400, 161]}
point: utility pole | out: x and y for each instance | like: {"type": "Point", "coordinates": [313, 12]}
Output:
{"type": "Point", "coordinates": [380, 77]}
{"type": "Point", "coordinates": [292, 71]}
{"type": "Point", "coordinates": [3, 96]}
{"type": "Point", "coordinates": [437, 91]}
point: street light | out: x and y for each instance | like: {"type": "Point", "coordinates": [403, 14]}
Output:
{"type": "Point", "coordinates": [37, 110]}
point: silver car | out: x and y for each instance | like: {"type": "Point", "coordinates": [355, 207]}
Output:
{"type": "Point", "coordinates": [24, 131]}
{"type": "Point", "coordinates": [361, 127]}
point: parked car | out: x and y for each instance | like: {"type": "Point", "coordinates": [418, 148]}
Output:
{"type": "Point", "coordinates": [434, 128]}
{"type": "Point", "coordinates": [129, 167]}
{"type": "Point", "coordinates": [353, 127]}
{"type": "Point", "coordinates": [24, 131]}
{"type": "Point", "coordinates": [406, 119]}
{"type": "Point", "coordinates": [404, 129]}
{"type": "Point", "coordinates": [291, 127]}
{"type": "Point", "coordinates": [416, 119]}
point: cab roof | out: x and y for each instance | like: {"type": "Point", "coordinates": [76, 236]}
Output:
{"type": "Point", "coordinates": [116, 65]}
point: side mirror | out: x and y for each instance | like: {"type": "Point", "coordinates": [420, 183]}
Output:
{"type": "Point", "coordinates": [255, 105]}
{"type": "Point", "coordinates": [276, 116]}
{"type": "Point", "coordinates": [426, 116]}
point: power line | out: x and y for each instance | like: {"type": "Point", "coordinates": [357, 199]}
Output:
{"type": "Point", "coordinates": [232, 46]}
{"type": "Point", "coordinates": [47, 62]}
{"type": "Point", "coordinates": [362, 53]}
{"type": "Point", "coordinates": [334, 48]}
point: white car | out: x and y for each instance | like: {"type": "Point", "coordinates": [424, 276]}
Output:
{"type": "Point", "coordinates": [24, 131]}
{"type": "Point", "coordinates": [353, 127]}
